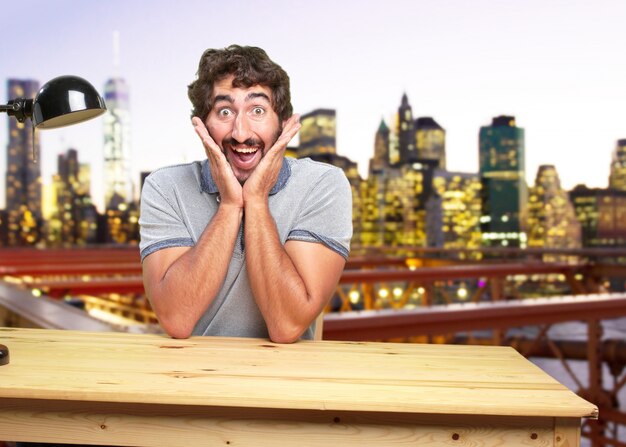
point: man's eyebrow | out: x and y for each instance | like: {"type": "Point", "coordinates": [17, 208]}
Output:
{"type": "Point", "coordinates": [226, 98]}
{"type": "Point", "coordinates": [254, 95]}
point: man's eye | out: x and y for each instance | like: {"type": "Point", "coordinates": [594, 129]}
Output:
{"type": "Point", "coordinates": [258, 111]}
{"type": "Point", "coordinates": [224, 112]}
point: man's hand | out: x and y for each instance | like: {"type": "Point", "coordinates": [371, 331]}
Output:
{"type": "Point", "coordinates": [256, 189]}
{"type": "Point", "coordinates": [230, 190]}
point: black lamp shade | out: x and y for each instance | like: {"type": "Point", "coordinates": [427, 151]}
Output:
{"type": "Point", "coordinates": [66, 100]}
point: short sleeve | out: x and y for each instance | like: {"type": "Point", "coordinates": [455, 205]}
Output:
{"type": "Point", "coordinates": [326, 214]}
{"type": "Point", "coordinates": [160, 223]}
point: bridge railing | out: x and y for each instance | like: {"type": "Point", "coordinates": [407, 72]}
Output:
{"type": "Point", "coordinates": [401, 288]}
{"type": "Point", "coordinates": [398, 295]}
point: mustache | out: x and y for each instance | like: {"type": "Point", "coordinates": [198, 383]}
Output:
{"type": "Point", "coordinates": [249, 142]}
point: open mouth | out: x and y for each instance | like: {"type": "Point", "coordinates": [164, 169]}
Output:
{"type": "Point", "coordinates": [245, 157]}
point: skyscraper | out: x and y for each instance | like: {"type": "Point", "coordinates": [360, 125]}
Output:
{"type": "Point", "coordinates": [552, 222]}
{"type": "Point", "coordinates": [504, 190]}
{"type": "Point", "coordinates": [430, 141]}
{"type": "Point", "coordinates": [617, 177]}
{"type": "Point", "coordinates": [23, 177]}
{"type": "Point", "coordinates": [117, 151]}
{"type": "Point", "coordinates": [602, 211]}
{"type": "Point", "coordinates": [74, 217]}
{"type": "Point", "coordinates": [406, 132]}
{"type": "Point", "coordinates": [602, 215]}
{"type": "Point", "coordinates": [453, 212]}
{"type": "Point", "coordinates": [373, 208]}
{"type": "Point", "coordinates": [373, 190]}
{"type": "Point", "coordinates": [318, 133]}
{"type": "Point", "coordinates": [400, 181]}
{"type": "Point", "coordinates": [391, 203]}
{"type": "Point", "coordinates": [380, 160]}
{"type": "Point", "coordinates": [409, 194]}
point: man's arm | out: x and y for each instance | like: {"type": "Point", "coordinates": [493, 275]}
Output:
{"type": "Point", "coordinates": [182, 282]}
{"type": "Point", "coordinates": [291, 284]}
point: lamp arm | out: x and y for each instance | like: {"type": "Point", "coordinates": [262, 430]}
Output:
{"type": "Point", "coordinates": [8, 107]}
{"type": "Point", "coordinates": [20, 108]}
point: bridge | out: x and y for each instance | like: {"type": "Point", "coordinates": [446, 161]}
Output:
{"type": "Point", "coordinates": [393, 293]}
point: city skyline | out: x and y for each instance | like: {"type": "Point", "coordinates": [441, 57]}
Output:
{"type": "Point", "coordinates": [555, 67]}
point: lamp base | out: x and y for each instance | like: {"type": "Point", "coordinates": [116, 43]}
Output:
{"type": "Point", "coordinates": [4, 355]}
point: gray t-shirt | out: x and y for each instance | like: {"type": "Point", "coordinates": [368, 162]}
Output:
{"type": "Point", "coordinates": [310, 202]}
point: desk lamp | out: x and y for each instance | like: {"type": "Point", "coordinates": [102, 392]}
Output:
{"type": "Point", "coordinates": [63, 101]}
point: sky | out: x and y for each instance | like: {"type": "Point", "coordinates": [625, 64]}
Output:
{"type": "Point", "coordinates": [557, 66]}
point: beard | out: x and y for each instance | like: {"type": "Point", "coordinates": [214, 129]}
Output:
{"type": "Point", "coordinates": [229, 142]}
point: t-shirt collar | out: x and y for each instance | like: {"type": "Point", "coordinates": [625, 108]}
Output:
{"type": "Point", "coordinates": [209, 186]}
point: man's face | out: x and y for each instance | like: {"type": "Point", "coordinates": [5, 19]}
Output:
{"type": "Point", "coordinates": [243, 123]}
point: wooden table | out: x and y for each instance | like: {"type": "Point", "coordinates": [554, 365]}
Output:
{"type": "Point", "coordinates": [129, 389]}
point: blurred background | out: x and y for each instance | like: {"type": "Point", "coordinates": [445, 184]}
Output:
{"type": "Point", "coordinates": [485, 143]}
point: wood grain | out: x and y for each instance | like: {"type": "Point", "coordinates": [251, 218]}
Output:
{"type": "Point", "coordinates": [566, 432]}
{"type": "Point", "coordinates": [141, 424]}
{"type": "Point", "coordinates": [131, 389]}
{"type": "Point", "coordinates": [116, 367]}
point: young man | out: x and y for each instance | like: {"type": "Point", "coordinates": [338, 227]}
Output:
{"type": "Point", "coordinates": [245, 243]}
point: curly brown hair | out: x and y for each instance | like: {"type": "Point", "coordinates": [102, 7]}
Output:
{"type": "Point", "coordinates": [250, 66]}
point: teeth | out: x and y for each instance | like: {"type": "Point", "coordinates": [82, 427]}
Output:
{"type": "Point", "coordinates": [245, 150]}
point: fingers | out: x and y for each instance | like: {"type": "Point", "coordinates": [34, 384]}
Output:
{"type": "Point", "coordinates": [221, 172]}
{"type": "Point", "coordinates": [203, 133]}
{"type": "Point", "coordinates": [217, 160]}
{"type": "Point", "coordinates": [212, 150]}
{"type": "Point", "coordinates": [290, 129]}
